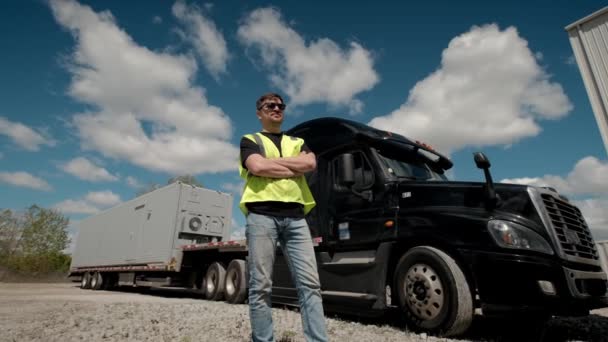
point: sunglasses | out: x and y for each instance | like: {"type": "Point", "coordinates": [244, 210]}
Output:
{"type": "Point", "coordinates": [273, 106]}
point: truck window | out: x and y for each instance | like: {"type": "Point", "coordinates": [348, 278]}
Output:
{"type": "Point", "coordinates": [401, 165]}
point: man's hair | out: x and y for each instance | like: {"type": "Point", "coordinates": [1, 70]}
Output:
{"type": "Point", "coordinates": [268, 96]}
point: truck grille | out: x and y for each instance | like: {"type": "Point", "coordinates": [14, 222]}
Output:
{"type": "Point", "coordinates": [570, 227]}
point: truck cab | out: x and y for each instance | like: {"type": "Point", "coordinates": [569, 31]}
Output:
{"type": "Point", "coordinates": [393, 231]}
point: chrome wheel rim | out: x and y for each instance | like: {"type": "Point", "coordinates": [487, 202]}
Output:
{"type": "Point", "coordinates": [211, 281]}
{"type": "Point", "coordinates": [231, 280]}
{"type": "Point", "coordinates": [424, 292]}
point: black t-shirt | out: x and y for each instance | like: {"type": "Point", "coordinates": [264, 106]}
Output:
{"type": "Point", "coordinates": [273, 208]}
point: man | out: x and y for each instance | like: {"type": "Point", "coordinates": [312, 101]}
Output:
{"type": "Point", "coordinates": [275, 200]}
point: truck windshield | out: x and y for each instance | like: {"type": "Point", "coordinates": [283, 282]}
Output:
{"type": "Point", "coordinates": [405, 166]}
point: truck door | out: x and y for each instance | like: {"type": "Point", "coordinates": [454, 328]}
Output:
{"type": "Point", "coordinates": [353, 222]}
{"type": "Point", "coordinates": [355, 213]}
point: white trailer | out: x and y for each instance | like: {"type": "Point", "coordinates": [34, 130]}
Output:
{"type": "Point", "coordinates": [173, 236]}
{"type": "Point", "coordinates": [589, 40]}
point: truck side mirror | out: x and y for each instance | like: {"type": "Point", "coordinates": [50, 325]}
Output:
{"type": "Point", "coordinates": [481, 160]}
{"type": "Point", "coordinates": [483, 163]}
{"type": "Point", "coordinates": [345, 170]}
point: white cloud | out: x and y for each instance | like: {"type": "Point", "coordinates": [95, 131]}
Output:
{"type": "Point", "coordinates": [85, 169]}
{"type": "Point", "coordinates": [238, 231]}
{"type": "Point", "coordinates": [570, 60]}
{"type": "Point", "coordinates": [595, 212]}
{"type": "Point", "coordinates": [157, 19]}
{"type": "Point", "coordinates": [235, 188]}
{"type": "Point", "coordinates": [318, 71]}
{"type": "Point", "coordinates": [589, 176]}
{"type": "Point", "coordinates": [133, 87]}
{"type": "Point", "coordinates": [25, 180]}
{"type": "Point", "coordinates": [92, 203]}
{"type": "Point", "coordinates": [133, 182]}
{"type": "Point", "coordinates": [103, 198]}
{"type": "Point", "coordinates": [488, 90]}
{"type": "Point", "coordinates": [24, 136]}
{"type": "Point", "coordinates": [76, 207]}
{"type": "Point", "coordinates": [204, 36]}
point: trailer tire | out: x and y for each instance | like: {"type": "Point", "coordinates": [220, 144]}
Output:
{"type": "Point", "coordinates": [85, 281]}
{"type": "Point", "coordinates": [214, 281]}
{"type": "Point", "coordinates": [433, 292]}
{"type": "Point", "coordinates": [97, 281]}
{"type": "Point", "coordinates": [235, 289]}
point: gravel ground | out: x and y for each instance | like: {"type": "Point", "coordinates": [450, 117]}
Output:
{"type": "Point", "coordinates": [63, 312]}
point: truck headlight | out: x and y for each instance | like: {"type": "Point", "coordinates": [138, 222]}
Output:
{"type": "Point", "coordinates": [512, 235]}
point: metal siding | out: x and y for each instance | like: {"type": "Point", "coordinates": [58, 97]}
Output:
{"type": "Point", "coordinates": [122, 235]}
{"type": "Point", "coordinates": [589, 40]}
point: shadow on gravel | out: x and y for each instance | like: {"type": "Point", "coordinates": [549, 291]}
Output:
{"type": "Point", "coordinates": [592, 328]}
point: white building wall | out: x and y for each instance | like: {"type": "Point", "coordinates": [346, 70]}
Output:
{"type": "Point", "coordinates": [589, 40]}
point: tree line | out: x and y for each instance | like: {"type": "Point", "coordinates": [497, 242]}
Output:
{"type": "Point", "coordinates": [33, 242]}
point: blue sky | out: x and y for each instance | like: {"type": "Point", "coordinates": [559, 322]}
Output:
{"type": "Point", "coordinates": [101, 98]}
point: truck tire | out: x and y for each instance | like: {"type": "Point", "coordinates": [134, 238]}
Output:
{"type": "Point", "coordinates": [97, 281]}
{"type": "Point", "coordinates": [235, 289]}
{"type": "Point", "coordinates": [85, 281]}
{"type": "Point", "coordinates": [433, 292]}
{"type": "Point", "coordinates": [214, 281]}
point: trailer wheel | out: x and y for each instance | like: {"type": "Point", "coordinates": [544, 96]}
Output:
{"type": "Point", "coordinates": [97, 281]}
{"type": "Point", "coordinates": [236, 282]}
{"type": "Point", "coordinates": [433, 292]}
{"type": "Point", "coordinates": [214, 281]}
{"type": "Point", "coordinates": [85, 281]}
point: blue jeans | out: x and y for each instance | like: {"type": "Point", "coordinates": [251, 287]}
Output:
{"type": "Point", "coordinates": [263, 232]}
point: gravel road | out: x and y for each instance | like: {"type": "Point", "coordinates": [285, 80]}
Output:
{"type": "Point", "coordinates": [63, 312]}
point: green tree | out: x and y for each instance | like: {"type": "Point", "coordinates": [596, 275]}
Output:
{"type": "Point", "coordinates": [33, 242]}
{"type": "Point", "coordinates": [44, 231]}
{"type": "Point", "coordinates": [10, 232]}
{"type": "Point", "coordinates": [186, 179]}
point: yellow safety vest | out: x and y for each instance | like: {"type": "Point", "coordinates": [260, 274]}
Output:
{"type": "Point", "coordinates": [262, 189]}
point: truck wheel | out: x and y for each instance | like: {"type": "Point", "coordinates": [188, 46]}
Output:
{"type": "Point", "coordinates": [433, 292]}
{"type": "Point", "coordinates": [236, 282]}
{"type": "Point", "coordinates": [85, 282]}
{"type": "Point", "coordinates": [214, 281]}
{"type": "Point", "coordinates": [97, 281]}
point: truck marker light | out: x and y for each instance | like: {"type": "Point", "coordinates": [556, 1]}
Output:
{"type": "Point", "coordinates": [389, 224]}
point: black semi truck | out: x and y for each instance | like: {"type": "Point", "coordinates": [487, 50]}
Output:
{"type": "Point", "coordinates": [391, 231]}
